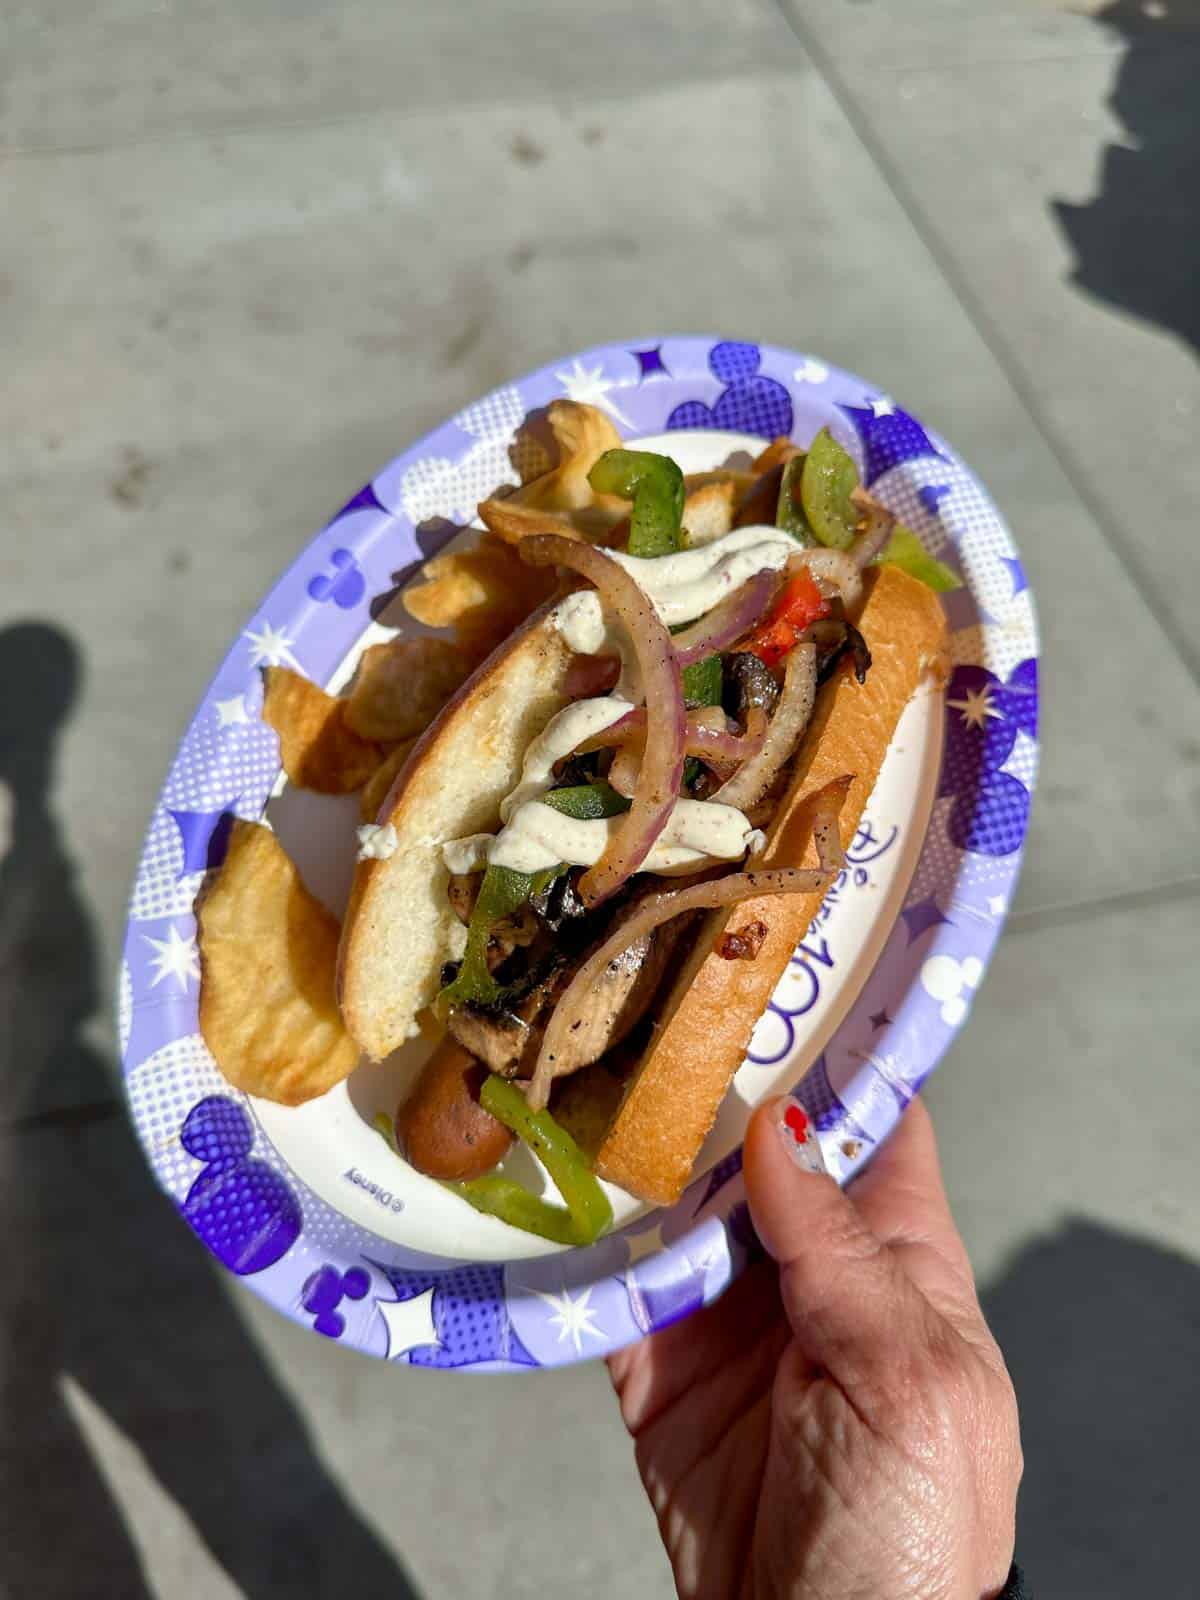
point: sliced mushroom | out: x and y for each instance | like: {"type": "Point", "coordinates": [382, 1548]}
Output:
{"type": "Point", "coordinates": [559, 902]}
{"type": "Point", "coordinates": [749, 683]}
{"type": "Point", "coordinates": [618, 1000]}
{"type": "Point", "coordinates": [500, 1039]}
{"type": "Point", "coordinates": [508, 1040]}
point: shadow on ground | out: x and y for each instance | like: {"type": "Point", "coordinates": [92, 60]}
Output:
{"type": "Point", "coordinates": [1137, 243]}
{"type": "Point", "coordinates": [1101, 1333]}
{"type": "Point", "coordinates": [102, 1284]}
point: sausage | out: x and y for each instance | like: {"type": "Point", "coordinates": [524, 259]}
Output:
{"type": "Point", "coordinates": [441, 1127]}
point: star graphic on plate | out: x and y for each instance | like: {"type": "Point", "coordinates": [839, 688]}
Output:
{"type": "Point", "coordinates": [976, 707]}
{"type": "Point", "coordinates": [728, 1167]}
{"type": "Point", "coordinates": [921, 917]}
{"type": "Point", "coordinates": [590, 387]}
{"type": "Point", "coordinates": [649, 362]}
{"type": "Point", "coordinates": [572, 1317]}
{"type": "Point", "coordinates": [881, 406]}
{"type": "Point", "coordinates": [270, 647]}
{"type": "Point", "coordinates": [176, 958]}
{"type": "Point", "coordinates": [889, 438]}
{"type": "Point", "coordinates": [409, 1324]}
{"type": "Point", "coordinates": [647, 1243]}
{"type": "Point", "coordinates": [204, 836]}
{"type": "Point", "coordinates": [880, 1019]}
{"type": "Point", "coordinates": [1017, 573]}
{"type": "Point", "coordinates": [231, 711]}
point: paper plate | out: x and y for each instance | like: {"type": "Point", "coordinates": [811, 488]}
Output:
{"type": "Point", "coordinates": [308, 1204]}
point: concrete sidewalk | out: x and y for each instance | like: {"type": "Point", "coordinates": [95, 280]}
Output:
{"type": "Point", "coordinates": [249, 251]}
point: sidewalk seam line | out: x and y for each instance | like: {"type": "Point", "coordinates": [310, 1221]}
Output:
{"type": "Point", "coordinates": [989, 332]}
{"type": "Point", "coordinates": [1054, 916]}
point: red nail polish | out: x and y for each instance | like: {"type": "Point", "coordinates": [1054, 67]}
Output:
{"type": "Point", "coordinates": [799, 1136]}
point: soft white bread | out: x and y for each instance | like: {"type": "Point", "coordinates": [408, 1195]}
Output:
{"type": "Point", "coordinates": [705, 1026]}
{"type": "Point", "coordinates": [399, 926]}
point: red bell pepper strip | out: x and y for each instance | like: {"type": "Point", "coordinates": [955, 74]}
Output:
{"type": "Point", "coordinates": [800, 604]}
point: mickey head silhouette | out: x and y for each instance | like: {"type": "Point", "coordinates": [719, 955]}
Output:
{"type": "Point", "coordinates": [323, 1292]}
{"type": "Point", "coordinates": [347, 585]}
{"type": "Point", "coordinates": [950, 981]}
{"type": "Point", "coordinates": [749, 404]}
{"type": "Point", "coordinates": [241, 1208]}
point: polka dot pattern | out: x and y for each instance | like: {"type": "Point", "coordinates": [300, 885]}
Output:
{"type": "Point", "coordinates": [203, 1140]}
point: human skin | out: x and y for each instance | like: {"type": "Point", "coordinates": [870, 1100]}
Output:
{"type": "Point", "coordinates": [841, 1424]}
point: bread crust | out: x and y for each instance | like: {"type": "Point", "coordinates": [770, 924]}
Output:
{"type": "Point", "coordinates": [673, 1098]}
{"type": "Point", "coordinates": [399, 926]}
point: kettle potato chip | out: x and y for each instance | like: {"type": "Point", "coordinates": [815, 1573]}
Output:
{"type": "Point", "coordinates": [377, 785]}
{"type": "Point", "coordinates": [317, 747]}
{"type": "Point", "coordinates": [401, 686]}
{"type": "Point", "coordinates": [482, 593]}
{"type": "Point", "coordinates": [582, 433]}
{"type": "Point", "coordinates": [268, 961]}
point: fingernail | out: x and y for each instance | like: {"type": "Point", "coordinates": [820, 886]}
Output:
{"type": "Point", "coordinates": [799, 1136]}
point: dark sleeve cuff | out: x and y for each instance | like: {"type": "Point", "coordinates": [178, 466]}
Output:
{"type": "Point", "coordinates": [1015, 1588]}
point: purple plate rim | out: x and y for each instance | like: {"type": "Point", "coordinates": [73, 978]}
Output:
{"type": "Point", "coordinates": [200, 1136]}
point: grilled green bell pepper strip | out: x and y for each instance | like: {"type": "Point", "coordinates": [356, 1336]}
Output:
{"type": "Point", "coordinates": [587, 801]}
{"type": "Point", "coordinates": [828, 477]}
{"type": "Point", "coordinates": [385, 1127]}
{"type": "Point", "coordinates": [504, 891]}
{"type": "Point", "coordinates": [498, 1196]}
{"type": "Point", "coordinates": [905, 550]}
{"type": "Point", "coordinates": [703, 682]}
{"type": "Point", "coordinates": [789, 513]}
{"type": "Point", "coordinates": [655, 485]}
{"type": "Point", "coordinates": [826, 480]}
{"type": "Point", "coordinates": [500, 894]}
{"type": "Point", "coordinates": [587, 1204]}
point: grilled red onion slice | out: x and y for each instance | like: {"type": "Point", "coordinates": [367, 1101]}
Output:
{"type": "Point", "coordinates": [734, 617]}
{"type": "Point", "coordinates": [656, 909]}
{"type": "Point", "coordinates": [662, 767]}
{"type": "Point", "coordinates": [588, 676]}
{"type": "Point", "coordinates": [623, 774]}
{"type": "Point", "coordinates": [708, 735]}
{"type": "Point", "coordinates": [875, 531]}
{"type": "Point", "coordinates": [754, 777]}
{"type": "Point", "coordinates": [834, 570]}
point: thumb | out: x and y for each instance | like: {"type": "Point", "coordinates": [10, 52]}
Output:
{"type": "Point", "coordinates": [850, 1305]}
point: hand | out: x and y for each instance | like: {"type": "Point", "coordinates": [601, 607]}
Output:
{"type": "Point", "coordinates": [841, 1423]}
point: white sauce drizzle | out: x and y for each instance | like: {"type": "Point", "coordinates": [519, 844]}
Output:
{"type": "Point", "coordinates": [537, 836]}
{"type": "Point", "coordinates": [376, 843]}
{"type": "Point", "coordinates": [681, 587]}
{"type": "Point", "coordinates": [562, 734]}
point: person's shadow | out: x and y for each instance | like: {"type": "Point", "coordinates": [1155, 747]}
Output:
{"type": "Point", "coordinates": [102, 1288]}
{"type": "Point", "coordinates": [1101, 1332]}
{"type": "Point", "coordinates": [1137, 243]}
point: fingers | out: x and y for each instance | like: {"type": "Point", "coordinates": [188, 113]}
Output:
{"type": "Point", "coordinates": [902, 1200]}
{"type": "Point", "coordinates": [901, 1196]}
{"type": "Point", "coordinates": [652, 1374]}
{"type": "Point", "coordinates": [849, 1303]}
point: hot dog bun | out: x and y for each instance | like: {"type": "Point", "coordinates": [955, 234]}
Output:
{"type": "Point", "coordinates": [399, 927]}
{"type": "Point", "coordinates": [672, 1100]}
